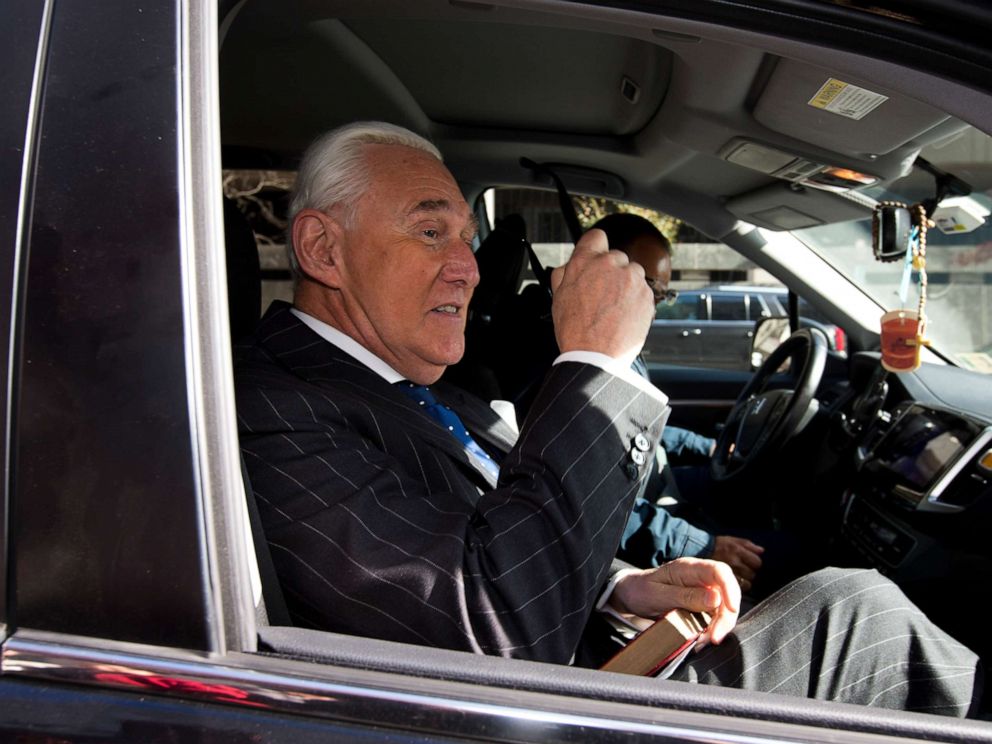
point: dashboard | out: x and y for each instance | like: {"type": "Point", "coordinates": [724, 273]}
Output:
{"type": "Point", "coordinates": [929, 459]}
{"type": "Point", "coordinates": [918, 463]}
{"type": "Point", "coordinates": [916, 459]}
{"type": "Point", "coordinates": [918, 504]}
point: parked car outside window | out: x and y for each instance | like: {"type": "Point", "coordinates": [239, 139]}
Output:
{"type": "Point", "coordinates": [713, 327]}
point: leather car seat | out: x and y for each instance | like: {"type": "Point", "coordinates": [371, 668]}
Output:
{"type": "Point", "coordinates": [244, 301]}
{"type": "Point", "coordinates": [244, 273]}
{"type": "Point", "coordinates": [509, 337]}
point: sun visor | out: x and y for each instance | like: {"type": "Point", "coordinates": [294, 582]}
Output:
{"type": "Point", "coordinates": [841, 113]}
{"type": "Point", "coordinates": [784, 207]}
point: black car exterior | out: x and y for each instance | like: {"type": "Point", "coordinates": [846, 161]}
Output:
{"type": "Point", "coordinates": [129, 603]}
{"type": "Point", "coordinates": [714, 326]}
{"type": "Point", "coordinates": [711, 327]}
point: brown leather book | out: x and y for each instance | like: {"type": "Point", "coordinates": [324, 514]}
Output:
{"type": "Point", "coordinates": [658, 644]}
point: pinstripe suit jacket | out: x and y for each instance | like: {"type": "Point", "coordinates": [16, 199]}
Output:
{"type": "Point", "coordinates": [381, 525]}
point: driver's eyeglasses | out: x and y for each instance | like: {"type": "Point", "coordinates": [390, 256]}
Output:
{"type": "Point", "coordinates": [661, 293]}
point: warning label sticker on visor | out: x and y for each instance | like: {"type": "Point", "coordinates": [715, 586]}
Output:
{"type": "Point", "coordinates": [845, 99]}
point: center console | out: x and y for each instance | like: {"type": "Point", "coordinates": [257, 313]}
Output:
{"type": "Point", "coordinates": [926, 460]}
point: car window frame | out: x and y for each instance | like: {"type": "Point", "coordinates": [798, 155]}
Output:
{"type": "Point", "coordinates": [56, 233]}
{"type": "Point", "coordinates": [23, 39]}
{"type": "Point", "coordinates": [342, 681]}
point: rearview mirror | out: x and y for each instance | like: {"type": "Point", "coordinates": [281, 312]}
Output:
{"type": "Point", "coordinates": [769, 333]}
{"type": "Point", "coordinates": [890, 229]}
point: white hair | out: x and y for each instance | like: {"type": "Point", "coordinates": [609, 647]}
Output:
{"type": "Point", "coordinates": [334, 174]}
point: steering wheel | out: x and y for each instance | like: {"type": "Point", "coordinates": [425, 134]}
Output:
{"type": "Point", "coordinates": [762, 421]}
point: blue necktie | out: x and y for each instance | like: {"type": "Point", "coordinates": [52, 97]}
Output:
{"type": "Point", "coordinates": [641, 367]}
{"type": "Point", "coordinates": [450, 421]}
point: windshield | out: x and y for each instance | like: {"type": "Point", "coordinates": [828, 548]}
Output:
{"type": "Point", "coordinates": [959, 264]}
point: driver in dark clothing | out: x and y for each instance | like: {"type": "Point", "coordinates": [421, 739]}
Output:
{"type": "Point", "coordinates": [653, 535]}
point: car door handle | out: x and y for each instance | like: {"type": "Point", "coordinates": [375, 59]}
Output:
{"type": "Point", "coordinates": [693, 332]}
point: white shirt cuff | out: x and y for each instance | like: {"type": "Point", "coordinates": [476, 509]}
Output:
{"type": "Point", "coordinates": [616, 367]}
{"type": "Point", "coordinates": [603, 605]}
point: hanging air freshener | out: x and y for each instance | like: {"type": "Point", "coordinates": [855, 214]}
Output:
{"type": "Point", "coordinates": [902, 331]}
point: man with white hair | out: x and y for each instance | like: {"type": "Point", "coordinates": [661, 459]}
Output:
{"type": "Point", "coordinates": [400, 509]}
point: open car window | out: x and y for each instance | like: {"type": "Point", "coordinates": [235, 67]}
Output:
{"type": "Point", "coordinates": [128, 545]}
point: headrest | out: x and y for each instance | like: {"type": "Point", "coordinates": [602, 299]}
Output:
{"type": "Point", "coordinates": [500, 259]}
{"type": "Point", "coordinates": [244, 274]}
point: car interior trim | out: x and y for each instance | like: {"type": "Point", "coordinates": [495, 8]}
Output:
{"type": "Point", "coordinates": [933, 501]}
{"type": "Point", "coordinates": [208, 351]}
{"type": "Point", "coordinates": [822, 23]}
{"type": "Point", "coordinates": [17, 299]}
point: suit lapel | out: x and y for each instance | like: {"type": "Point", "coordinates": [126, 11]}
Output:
{"type": "Point", "coordinates": [311, 358]}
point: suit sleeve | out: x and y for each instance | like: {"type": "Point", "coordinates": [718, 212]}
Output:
{"type": "Point", "coordinates": [375, 534]}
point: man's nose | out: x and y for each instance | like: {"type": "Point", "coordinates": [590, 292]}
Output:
{"type": "Point", "coordinates": [461, 266]}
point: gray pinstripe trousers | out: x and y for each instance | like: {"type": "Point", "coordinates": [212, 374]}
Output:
{"type": "Point", "coordinates": [848, 636]}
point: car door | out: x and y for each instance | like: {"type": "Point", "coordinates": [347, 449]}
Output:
{"type": "Point", "coordinates": [676, 334]}
{"type": "Point", "coordinates": [702, 391]}
{"type": "Point", "coordinates": [107, 515]}
{"type": "Point", "coordinates": [726, 338]}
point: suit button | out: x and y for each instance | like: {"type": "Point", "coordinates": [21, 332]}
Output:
{"type": "Point", "coordinates": [638, 457]}
{"type": "Point", "coordinates": [631, 470]}
{"type": "Point", "coordinates": [642, 443]}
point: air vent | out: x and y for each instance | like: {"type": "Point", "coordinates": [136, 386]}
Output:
{"type": "Point", "coordinates": [964, 482]}
{"type": "Point", "coordinates": [966, 489]}
{"type": "Point", "coordinates": [629, 89]}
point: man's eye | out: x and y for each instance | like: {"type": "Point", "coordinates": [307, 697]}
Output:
{"type": "Point", "coordinates": [432, 233]}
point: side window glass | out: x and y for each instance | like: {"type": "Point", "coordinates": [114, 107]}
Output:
{"type": "Point", "coordinates": [262, 197]}
{"type": "Point", "coordinates": [729, 306]}
{"type": "Point", "coordinates": [686, 307]}
{"type": "Point", "coordinates": [715, 283]}
{"type": "Point", "coordinates": [809, 317]}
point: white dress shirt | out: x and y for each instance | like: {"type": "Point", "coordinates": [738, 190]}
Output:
{"type": "Point", "coordinates": [618, 367]}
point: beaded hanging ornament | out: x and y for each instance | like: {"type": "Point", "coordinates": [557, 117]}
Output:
{"type": "Point", "coordinates": [902, 330]}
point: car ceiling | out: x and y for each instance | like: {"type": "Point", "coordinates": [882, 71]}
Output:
{"type": "Point", "coordinates": [630, 106]}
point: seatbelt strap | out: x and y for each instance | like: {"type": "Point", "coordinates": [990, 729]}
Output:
{"type": "Point", "coordinates": [564, 200]}
{"type": "Point", "coordinates": [543, 274]}
{"type": "Point", "coordinates": [567, 212]}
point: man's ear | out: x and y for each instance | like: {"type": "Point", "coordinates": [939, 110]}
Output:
{"type": "Point", "coordinates": [317, 241]}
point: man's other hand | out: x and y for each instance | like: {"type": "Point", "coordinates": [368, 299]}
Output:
{"type": "Point", "coordinates": [743, 557]}
{"type": "Point", "coordinates": [690, 583]}
{"type": "Point", "coordinates": [601, 301]}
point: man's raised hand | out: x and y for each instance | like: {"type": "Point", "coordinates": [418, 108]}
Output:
{"type": "Point", "coordinates": [601, 301]}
